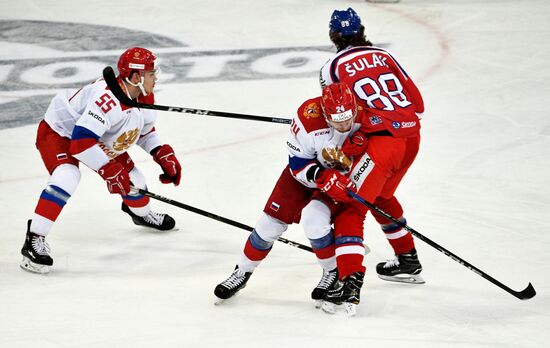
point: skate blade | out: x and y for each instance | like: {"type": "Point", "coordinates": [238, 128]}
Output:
{"type": "Point", "coordinates": [218, 301]}
{"type": "Point", "coordinates": [318, 303]}
{"type": "Point", "coordinates": [328, 307]}
{"type": "Point", "coordinates": [32, 267]}
{"type": "Point", "coordinates": [350, 308]}
{"type": "Point", "coordinates": [404, 278]}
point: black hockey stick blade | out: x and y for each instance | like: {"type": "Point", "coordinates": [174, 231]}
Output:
{"type": "Point", "coordinates": [110, 79]}
{"type": "Point", "coordinates": [215, 217]}
{"type": "Point", "coordinates": [525, 294]}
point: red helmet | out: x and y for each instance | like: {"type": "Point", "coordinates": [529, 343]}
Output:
{"type": "Point", "coordinates": [338, 102]}
{"type": "Point", "coordinates": [135, 58]}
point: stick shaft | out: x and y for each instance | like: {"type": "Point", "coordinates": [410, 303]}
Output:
{"type": "Point", "coordinates": [110, 79]}
{"type": "Point", "coordinates": [215, 217]}
{"type": "Point", "coordinates": [525, 294]}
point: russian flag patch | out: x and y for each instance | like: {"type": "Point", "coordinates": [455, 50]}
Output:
{"type": "Point", "coordinates": [274, 206]}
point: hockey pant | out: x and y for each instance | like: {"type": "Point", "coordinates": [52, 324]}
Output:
{"type": "Point", "coordinates": [283, 208]}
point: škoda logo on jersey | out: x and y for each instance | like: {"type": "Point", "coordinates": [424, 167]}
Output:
{"type": "Point", "coordinates": [38, 58]}
{"type": "Point", "coordinates": [361, 170]}
{"type": "Point", "coordinates": [403, 124]}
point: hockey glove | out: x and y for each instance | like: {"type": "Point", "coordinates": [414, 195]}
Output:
{"type": "Point", "coordinates": [356, 145]}
{"type": "Point", "coordinates": [116, 177]}
{"type": "Point", "coordinates": [335, 185]}
{"type": "Point", "coordinates": [165, 157]}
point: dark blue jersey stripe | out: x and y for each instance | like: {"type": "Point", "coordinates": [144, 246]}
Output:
{"type": "Point", "coordinates": [80, 132]}
{"type": "Point", "coordinates": [298, 163]}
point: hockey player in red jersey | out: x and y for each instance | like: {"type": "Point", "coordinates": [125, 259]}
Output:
{"type": "Point", "coordinates": [90, 126]}
{"type": "Point", "coordinates": [320, 135]}
{"type": "Point", "coordinates": [395, 105]}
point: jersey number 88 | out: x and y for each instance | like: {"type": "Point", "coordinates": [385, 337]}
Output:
{"type": "Point", "coordinates": [390, 85]}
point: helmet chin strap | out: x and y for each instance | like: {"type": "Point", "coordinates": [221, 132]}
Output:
{"type": "Point", "coordinates": [139, 84]}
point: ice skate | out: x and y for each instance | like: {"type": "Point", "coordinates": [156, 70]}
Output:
{"type": "Point", "coordinates": [229, 287]}
{"type": "Point", "coordinates": [328, 280]}
{"type": "Point", "coordinates": [162, 222]}
{"type": "Point", "coordinates": [404, 268]}
{"type": "Point", "coordinates": [36, 253]}
{"type": "Point", "coordinates": [345, 294]}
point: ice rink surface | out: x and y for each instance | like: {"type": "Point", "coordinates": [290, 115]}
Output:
{"type": "Point", "coordinates": [479, 186]}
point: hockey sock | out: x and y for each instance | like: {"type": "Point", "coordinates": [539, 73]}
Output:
{"type": "Point", "coordinates": [138, 204]}
{"type": "Point", "coordinates": [325, 251]}
{"type": "Point", "coordinates": [256, 249]}
{"type": "Point", "coordinates": [349, 255]}
{"type": "Point", "coordinates": [61, 186]}
{"type": "Point", "coordinates": [400, 239]}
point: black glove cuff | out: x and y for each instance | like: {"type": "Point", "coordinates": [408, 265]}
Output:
{"type": "Point", "coordinates": [313, 173]}
{"type": "Point", "coordinates": [155, 150]}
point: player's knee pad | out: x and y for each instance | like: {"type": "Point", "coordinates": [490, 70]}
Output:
{"type": "Point", "coordinates": [316, 220]}
{"type": "Point", "coordinates": [269, 229]}
{"type": "Point", "coordinates": [65, 179]}
{"type": "Point", "coordinates": [322, 242]}
{"type": "Point", "coordinates": [258, 242]}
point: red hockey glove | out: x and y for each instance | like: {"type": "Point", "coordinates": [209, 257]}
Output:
{"type": "Point", "coordinates": [356, 145]}
{"type": "Point", "coordinates": [335, 185]}
{"type": "Point", "coordinates": [170, 165]}
{"type": "Point", "coordinates": [117, 178]}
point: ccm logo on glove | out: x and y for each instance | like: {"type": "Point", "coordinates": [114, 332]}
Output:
{"type": "Point", "coordinates": [335, 185]}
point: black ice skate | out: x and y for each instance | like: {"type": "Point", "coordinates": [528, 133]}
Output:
{"type": "Point", "coordinates": [346, 292]}
{"type": "Point", "coordinates": [404, 268]}
{"type": "Point", "coordinates": [36, 253]}
{"type": "Point", "coordinates": [229, 287]}
{"type": "Point", "coordinates": [163, 222]}
{"type": "Point", "coordinates": [328, 280]}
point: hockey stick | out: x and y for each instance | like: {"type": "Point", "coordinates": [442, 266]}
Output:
{"type": "Point", "coordinates": [110, 78]}
{"type": "Point", "coordinates": [214, 216]}
{"type": "Point", "coordinates": [525, 294]}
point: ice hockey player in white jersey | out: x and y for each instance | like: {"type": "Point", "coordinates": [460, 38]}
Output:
{"type": "Point", "coordinates": [321, 135]}
{"type": "Point", "coordinates": [90, 126]}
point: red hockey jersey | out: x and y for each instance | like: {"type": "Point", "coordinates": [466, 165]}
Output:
{"type": "Point", "coordinates": [382, 87]}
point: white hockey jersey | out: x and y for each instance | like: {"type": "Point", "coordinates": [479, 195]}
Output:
{"type": "Point", "coordinates": [312, 141]}
{"type": "Point", "coordinates": [99, 126]}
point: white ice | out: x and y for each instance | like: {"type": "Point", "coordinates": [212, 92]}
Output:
{"type": "Point", "coordinates": [479, 187]}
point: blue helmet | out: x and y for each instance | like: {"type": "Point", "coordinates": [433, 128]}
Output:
{"type": "Point", "coordinates": [346, 22]}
